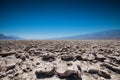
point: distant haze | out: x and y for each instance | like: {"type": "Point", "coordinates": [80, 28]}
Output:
{"type": "Point", "coordinates": [43, 19]}
{"type": "Point", "coordinates": [104, 35]}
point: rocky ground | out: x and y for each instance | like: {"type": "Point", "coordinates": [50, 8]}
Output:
{"type": "Point", "coordinates": [60, 60]}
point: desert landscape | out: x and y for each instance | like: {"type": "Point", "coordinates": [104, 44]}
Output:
{"type": "Point", "coordinates": [60, 60]}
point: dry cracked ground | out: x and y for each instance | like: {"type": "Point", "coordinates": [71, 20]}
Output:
{"type": "Point", "coordinates": [60, 60]}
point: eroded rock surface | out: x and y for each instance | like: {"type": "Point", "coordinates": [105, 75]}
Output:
{"type": "Point", "coordinates": [60, 60]}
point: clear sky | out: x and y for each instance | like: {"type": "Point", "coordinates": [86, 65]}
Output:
{"type": "Point", "coordinates": [39, 19]}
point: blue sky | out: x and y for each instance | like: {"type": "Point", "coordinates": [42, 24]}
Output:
{"type": "Point", "coordinates": [41, 19]}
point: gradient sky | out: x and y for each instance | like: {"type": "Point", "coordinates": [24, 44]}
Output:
{"type": "Point", "coordinates": [39, 19]}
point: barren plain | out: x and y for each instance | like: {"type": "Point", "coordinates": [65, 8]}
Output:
{"type": "Point", "coordinates": [60, 60]}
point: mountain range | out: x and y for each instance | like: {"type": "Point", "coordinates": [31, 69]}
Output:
{"type": "Point", "coordinates": [4, 37]}
{"type": "Point", "coordinates": [111, 34]}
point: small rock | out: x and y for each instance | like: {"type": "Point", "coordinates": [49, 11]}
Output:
{"type": "Point", "coordinates": [116, 54]}
{"type": "Point", "coordinates": [88, 57]}
{"type": "Point", "coordinates": [48, 57]}
{"type": "Point", "coordinates": [10, 66]}
{"type": "Point", "coordinates": [69, 64]}
{"type": "Point", "coordinates": [67, 58]}
{"type": "Point", "coordinates": [93, 71]}
{"type": "Point", "coordinates": [107, 61]}
{"type": "Point", "coordinates": [26, 48]}
{"type": "Point", "coordinates": [64, 50]}
{"type": "Point", "coordinates": [10, 72]}
{"type": "Point", "coordinates": [68, 72]}
{"type": "Point", "coordinates": [78, 57]}
{"type": "Point", "coordinates": [72, 75]}
{"type": "Point", "coordinates": [21, 56]}
{"type": "Point", "coordinates": [45, 71]}
{"type": "Point", "coordinates": [104, 74]}
{"type": "Point", "coordinates": [11, 76]}
{"type": "Point", "coordinates": [31, 51]}
{"type": "Point", "coordinates": [100, 58]}
{"type": "Point", "coordinates": [2, 74]}
{"type": "Point", "coordinates": [36, 53]}
{"type": "Point", "coordinates": [100, 73]}
{"type": "Point", "coordinates": [5, 54]}
{"type": "Point", "coordinates": [113, 68]}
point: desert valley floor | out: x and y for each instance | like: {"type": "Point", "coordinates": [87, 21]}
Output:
{"type": "Point", "coordinates": [60, 60]}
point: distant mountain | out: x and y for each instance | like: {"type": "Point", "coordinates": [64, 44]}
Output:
{"type": "Point", "coordinates": [4, 37]}
{"type": "Point", "coordinates": [16, 37]}
{"type": "Point", "coordinates": [111, 34]}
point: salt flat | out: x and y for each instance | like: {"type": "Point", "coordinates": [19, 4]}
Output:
{"type": "Point", "coordinates": [60, 60]}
